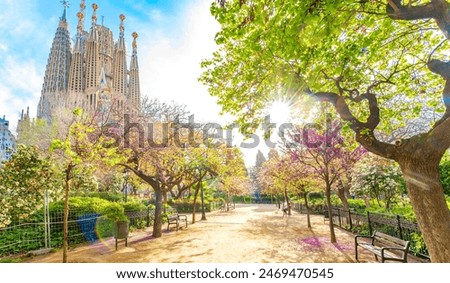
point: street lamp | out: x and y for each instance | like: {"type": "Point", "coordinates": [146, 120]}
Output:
{"type": "Point", "coordinates": [126, 175]}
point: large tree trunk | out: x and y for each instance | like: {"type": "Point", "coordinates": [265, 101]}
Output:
{"type": "Point", "coordinates": [330, 214]}
{"type": "Point", "coordinates": [342, 196]}
{"type": "Point", "coordinates": [427, 198]}
{"type": "Point", "coordinates": [157, 224]}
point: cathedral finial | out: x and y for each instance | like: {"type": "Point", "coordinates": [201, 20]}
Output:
{"type": "Point", "coordinates": [135, 36]}
{"type": "Point", "coordinates": [66, 5]}
{"type": "Point", "coordinates": [122, 19]}
{"type": "Point", "coordinates": [94, 14]}
{"type": "Point", "coordinates": [80, 22]}
{"type": "Point", "coordinates": [80, 16]}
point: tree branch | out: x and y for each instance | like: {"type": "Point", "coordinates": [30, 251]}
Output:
{"type": "Point", "coordinates": [396, 11]}
{"type": "Point", "coordinates": [439, 67]}
{"type": "Point", "coordinates": [439, 136]}
{"type": "Point", "coordinates": [151, 180]}
{"type": "Point", "coordinates": [363, 131]}
{"type": "Point", "coordinates": [437, 10]}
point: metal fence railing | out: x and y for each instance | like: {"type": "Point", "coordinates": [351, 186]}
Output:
{"type": "Point", "coordinates": [44, 230]}
{"type": "Point", "coordinates": [367, 223]}
{"type": "Point", "coordinates": [84, 226]}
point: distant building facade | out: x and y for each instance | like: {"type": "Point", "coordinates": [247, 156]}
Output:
{"type": "Point", "coordinates": [94, 74]}
{"type": "Point", "coordinates": [7, 140]}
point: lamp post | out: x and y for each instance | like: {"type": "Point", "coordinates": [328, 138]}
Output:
{"type": "Point", "coordinates": [126, 174]}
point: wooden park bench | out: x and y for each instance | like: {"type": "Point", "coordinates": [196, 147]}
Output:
{"type": "Point", "coordinates": [384, 246]}
{"type": "Point", "coordinates": [176, 220]}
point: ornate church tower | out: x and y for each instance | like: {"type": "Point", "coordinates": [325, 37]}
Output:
{"type": "Point", "coordinates": [55, 85]}
{"type": "Point", "coordinates": [92, 63]}
{"type": "Point", "coordinates": [134, 96]}
{"type": "Point", "coordinates": [77, 71]}
{"type": "Point", "coordinates": [94, 75]}
{"type": "Point", "coordinates": [120, 72]}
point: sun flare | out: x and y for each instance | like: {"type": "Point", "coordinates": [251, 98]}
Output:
{"type": "Point", "coordinates": [280, 111]}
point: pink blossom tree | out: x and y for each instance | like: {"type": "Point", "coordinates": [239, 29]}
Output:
{"type": "Point", "coordinates": [326, 155]}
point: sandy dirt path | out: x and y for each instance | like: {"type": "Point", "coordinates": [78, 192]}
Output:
{"type": "Point", "coordinates": [249, 233]}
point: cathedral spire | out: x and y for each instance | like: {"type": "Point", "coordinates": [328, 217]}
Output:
{"type": "Point", "coordinates": [57, 70]}
{"type": "Point", "coordinates": [93, 34]}
{"type": "Point", "coordinates": [120, 62]}
{"type": "Point", "coordinates": [94, 14]}
{"type": "Point", "coordinates": [92, 65]}
{"type": "Point", "coordinates": [134, 89]}
{"type": "Point", "coordinates": [121, 43]}
{"type": "Point", "coordinates": [66, 5]}
{"type": "Point", "coordinates": [76, 79]}
{"type": "Point", "coordinates": [81, 17]}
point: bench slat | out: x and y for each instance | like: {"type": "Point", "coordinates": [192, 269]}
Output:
{"type": "Point", "coordinates": [389, 238]}
{"type": "Point", "coordinates": [383, 242]}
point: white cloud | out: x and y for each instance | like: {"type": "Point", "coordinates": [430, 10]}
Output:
{"type": "Point", "coordinates": [155, 15]}
{"type": "Point", "coordinates": [3, 47]}
{"type": "Point", "coordinates": [19, 88]}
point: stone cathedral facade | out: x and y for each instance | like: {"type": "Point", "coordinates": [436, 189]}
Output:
{"type": "Point", "coordinates": [94, 74]}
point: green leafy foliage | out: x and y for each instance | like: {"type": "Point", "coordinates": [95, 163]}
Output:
{"type": "Point", "coordinates": [133, 205]}
{"type": "Point", "coordinates": [273, 48]}
{"type": "Point", "coordinates": [444, 169]}
{"type": "Point", "coordinates": [114, 212]}
{"type": "Point", "coordinates": [377, 178]}
{"type": "Point", "coordinates": [23, 182]}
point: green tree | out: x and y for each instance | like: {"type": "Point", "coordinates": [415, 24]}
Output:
{"type": "Point", "coordinates": [232, 173]}
{"type": "Point", "coordinates": [377, 178]}
{"type": "Point", "coordinates": [24, 181]}
{"type": "Point", "coordinates": [378, 63]}
{"type": "Point", "coordinates": [79, 153]}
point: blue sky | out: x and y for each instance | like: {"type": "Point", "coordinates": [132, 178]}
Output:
{"type": "Point", "coordinates": [174, 35]}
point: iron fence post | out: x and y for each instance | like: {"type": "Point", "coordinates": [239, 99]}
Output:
{"type": "Point", "coordinates": [368, 222]}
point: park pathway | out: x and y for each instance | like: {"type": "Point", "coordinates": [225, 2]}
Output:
{"type": "Point", "coordinates": [252, 233]}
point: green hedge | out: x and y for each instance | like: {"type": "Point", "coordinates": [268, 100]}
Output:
{"type": "Point", "coordinates": [21, 239]}
{"type": "Point", "coordinates": [186, 205]}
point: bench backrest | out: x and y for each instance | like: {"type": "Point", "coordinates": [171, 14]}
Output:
{"type": "Point", "coordinates": [389, 241]}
